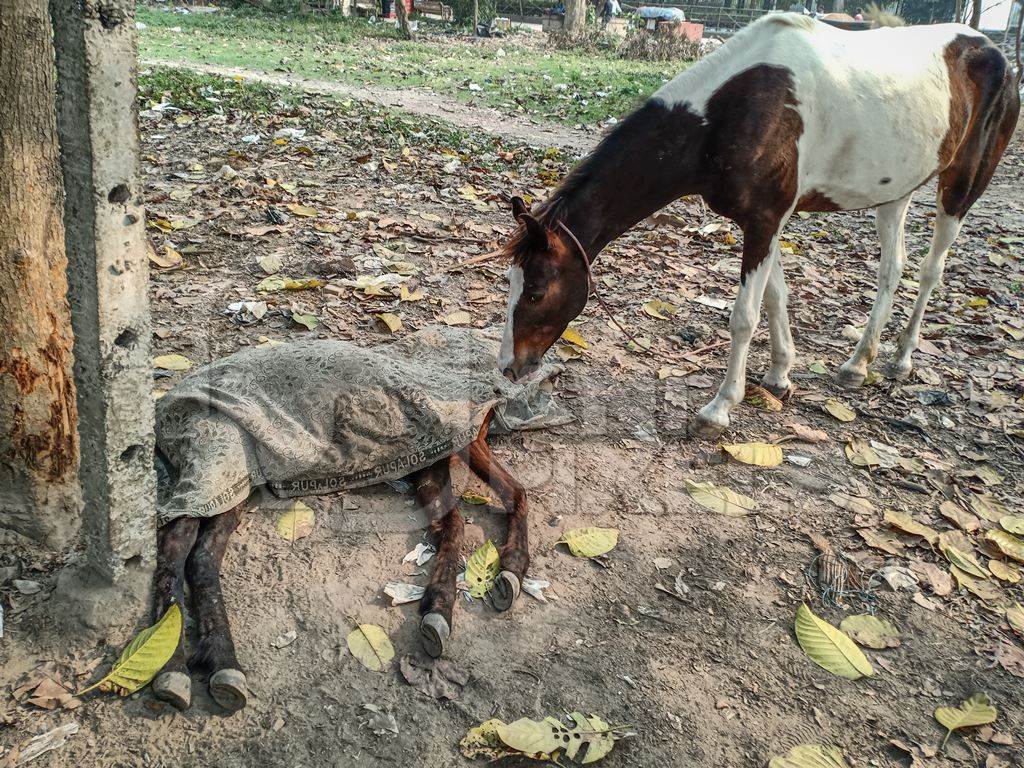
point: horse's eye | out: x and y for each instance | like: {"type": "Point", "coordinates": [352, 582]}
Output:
{"type": "Point", "coordinates": [535, 297]}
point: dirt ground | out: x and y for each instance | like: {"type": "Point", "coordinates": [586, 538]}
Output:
{"type": "Point", "coordinates": [712, 676]}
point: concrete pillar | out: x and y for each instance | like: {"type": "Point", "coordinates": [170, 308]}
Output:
{"type": "Point", "coordinates": [97, 122]}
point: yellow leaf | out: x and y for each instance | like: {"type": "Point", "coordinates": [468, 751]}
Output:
{"type": "Point", "coordinates": [977, 710]}
{"type": "Point", "coordinates": [908, 525]}
{"type": "Point", "coordinates": [391, 320]}
{"type": "Point", "coordinates": [575, 338]}
{"type": "Point", "coordinates": [302, 210]}
{"type": "Point", "coordinates": [759, 397]}
{"type": "Point", "coordinates": [540, 740]}
{"type": "Point", "coordinates": [758, 454]}
{"type": "Point", "coordinates": [458, 318]}
{"type": "Point", "coordinates": [371, 646]}
{"type": "Point", "coordinates": [963, 560]}
{"type": "Point", "coordinates": [659, 309]}
{"type": "Point", "coordinates": [172, 362]}
{"type": "Point", "coordinates": [1007, 572]}
{"type": "Point", "coordinates": [861, 454]}
{"type": "Point", "coordinates": [871, 631]}
{"type": "Point", "coordinates": [980, 587]}
{"type": "Point", "coordinates": [295, 523]}
{"type": "Point", "coordinates": [404, 294]}
{"type": "Point", "coordinates": [1013, 524]}
{"type": "Point", "coordinates": [590, 542]}
{"type": "Point", "coordinates": [719, 499]}
{"type": "Point", "coordinates": [958, 516]}
{"type": "Point", "coordinates": [483, 741]}
{"type": "Point", "coordinates": [169, 258]}
{"type": "Point", "coordinates": [840, 410]}
{"type": "Point", "coordinates": [482, 569]}
{"type": "Point", "coordinates": [476, 498]}
{"type": "Point", "coordinates": [829, 648]}
{"type": "Point", "coordinates": [568, 352]}
{"type": "Point", "coordinates": [977, 302]}
{"type": "Point", "coordinates": [810, 756]}
{"type": "Point", "coordinates": [309, 321]}
{"type": "Point", "coordinates": [144, 656]}
{"type": "Point", "coordinates": [1015, 615]}
{"type": "Point", "coordinates": [1008, 544]}
{"type": "Point", "coordinates": [987, 506]}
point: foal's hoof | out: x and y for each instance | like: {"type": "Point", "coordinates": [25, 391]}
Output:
{"type": "Point", "coordinates": [848, 378]}
{"type": "Point", "coordinates": [505, 590]}
{"type": "Point", "coordinates": [783, 392]}
{"type": "Point", "coordinates": [703, 429]}
{"type": "Point", "coordinates": [227, 687]}
{"type": "Point", "coordinates": [175, 688]}
{"type": "Point", "coordinates": [434, 634]}
{"type": "Point", "coordinates": [898, 372]}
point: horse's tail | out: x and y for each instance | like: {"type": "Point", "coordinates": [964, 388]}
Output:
{"type": "Point", "coordinates": [880, 18]}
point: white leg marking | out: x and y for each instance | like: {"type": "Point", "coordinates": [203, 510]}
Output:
{"type": "Point", "coordinates": [515, 291]}
{"type": "Point", "coordinates": [889, 222]}
{"type": "Point", "coordinates": [946, 229]}
{"type": "Point", "coordinates": [775, 295]}
{"type": "Point", "coordinates": [746, 311]}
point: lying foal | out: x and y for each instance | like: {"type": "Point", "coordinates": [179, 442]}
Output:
{"type": "Point", "coordinates": [191, 550]}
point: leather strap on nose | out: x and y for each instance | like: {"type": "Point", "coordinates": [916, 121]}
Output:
{"type": "Point", "coordinates": [592, 282]}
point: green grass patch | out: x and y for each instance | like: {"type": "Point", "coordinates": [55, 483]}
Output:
{"type": "Point", "coordinates": [558, 86]}
{"type": "Point", "coordinates": [207, 94]}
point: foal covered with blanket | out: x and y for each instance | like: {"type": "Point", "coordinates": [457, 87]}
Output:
{"type": "Point", "coordinates": [316, 417]}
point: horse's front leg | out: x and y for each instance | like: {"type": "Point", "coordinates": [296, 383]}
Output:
{"type": "Point", "coordinates": [215, 651]}
{"type": "Point", "coordinates": [776, 380]}
{"type": "Point", "coordinates": [434, 494]}
{"type": "Point", "coordinates": [515, 554]}
{"type": "Point", "coordinates": [174, 541]}
{"type": "Point", "coordinates": [760, 246]}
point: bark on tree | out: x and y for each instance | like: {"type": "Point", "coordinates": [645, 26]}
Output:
{"type": "Point", "coordinates": [402, 12]}
{"type": "Point", "coordinates": [575, 18]}
{"type": "Point", "coordinates": [39, 494]}
{"type": "Point", "coordinates": [975, 13]}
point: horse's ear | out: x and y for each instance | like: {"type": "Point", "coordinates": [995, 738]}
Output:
{"type": "Point", "coordinates": [518, 207]}
{"type": "Point", "coordinates": [536, 232]}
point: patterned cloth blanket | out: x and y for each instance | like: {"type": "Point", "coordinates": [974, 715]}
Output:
{"type": "Point", "coordinates": [315, 417]}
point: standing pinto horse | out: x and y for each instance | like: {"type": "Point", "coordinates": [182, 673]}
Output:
{"type": "Point", "coordinates": [789, 115]}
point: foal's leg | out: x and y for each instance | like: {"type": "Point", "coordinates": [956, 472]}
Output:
{"type": "Point", "coordinates": [434, 493]}
{"type": "Point", "coordinates": [889, 223]}
{"type": "Point", "coordinates": [946, 229]}
{"type": "Point", "coordinates": [174, 541]}
{"type": "Point", "coordinates": [776, 380]}
{"type": "Point", "coordinates": [515, 555]}
{"type": "Point", "coordinates": [215, 651]}
{"type": "Point", "coordinates": [760, 246]}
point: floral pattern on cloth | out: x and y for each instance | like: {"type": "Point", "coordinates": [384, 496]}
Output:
{"type": "Point", "coordinates": [318, 416]}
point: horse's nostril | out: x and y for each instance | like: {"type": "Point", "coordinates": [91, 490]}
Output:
{"type": "Point", "coordinates": [509, 373]}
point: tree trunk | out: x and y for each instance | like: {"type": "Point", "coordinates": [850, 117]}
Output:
{"type": "Point", "coordinates": [38, 413]}
{"type": "Point", "coordinates": [1020, 42]}
{"type": "Point", "coordinates": [402, 12]}
{"type": "Point", "coordinates": [975, 13]}
{"type": "Point", "coordinates": [575, 18]}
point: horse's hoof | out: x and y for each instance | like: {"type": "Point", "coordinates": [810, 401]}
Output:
{"type": "Point", "coordinates": [175, 688]}
{"type": "Point", "coordinates": [434, 634]}
{"type": "Point", "coordinates": [783, 392]}
{"type": "Point", "coordinates": [849, 378]}
{"type": "Point", "coordinates": [898, 372]}
{"type": "Point", "coordinates": [227, 687]}
{"type": "Point", "coordinates": [703, 429]}
{"type": "Point", "coordinates": [505, 590]}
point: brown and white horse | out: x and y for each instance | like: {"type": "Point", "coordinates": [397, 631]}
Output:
{"type": "Point", "coordinates": [789, 115]}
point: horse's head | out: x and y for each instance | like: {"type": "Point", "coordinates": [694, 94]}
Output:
{"type": "Point", "coordinates": [548, 285]}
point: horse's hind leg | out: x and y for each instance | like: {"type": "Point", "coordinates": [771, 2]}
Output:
{"type": "Point", "coordinates": [434, 494]}
{"type": "Point", "coordinates": [174, 541]}
{"type": "Point", "coordinates": [889, 223]}
{"type": "Point", "coordinates": [215, 651]}
{"type": "Point", "coordinates": [515, 555]}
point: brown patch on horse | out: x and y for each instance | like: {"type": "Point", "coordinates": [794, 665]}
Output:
{"type": "Point", "coordinates": [751, 134]}
{"type": "Point", "coordinates": [818, 202]}
{"type": "Point", "coordinates": [983, 108]}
